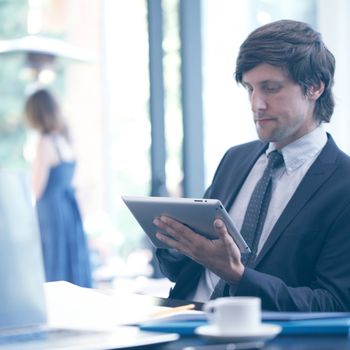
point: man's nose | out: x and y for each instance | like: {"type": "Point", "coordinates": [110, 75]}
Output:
{"type": "Point", "coordinates": [257, 102]}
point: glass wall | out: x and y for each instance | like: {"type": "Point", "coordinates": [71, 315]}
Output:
{"type": "Point", "coordinates": [172, 86]}
{"type": "Point", "coordinates": [333, 20]}
{"type": "Point", "coordinates": [128, 131]}
{"type": "Point", "coordinates": [13, 24]}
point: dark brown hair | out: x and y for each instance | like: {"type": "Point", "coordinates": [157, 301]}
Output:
{"type": "Point", "coordinates": [43, 113]}
{"type": "Point", "coordinates": [298, 49]}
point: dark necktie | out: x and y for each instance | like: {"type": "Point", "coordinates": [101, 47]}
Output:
{"type": "Point", "coordinates": [255, 215]}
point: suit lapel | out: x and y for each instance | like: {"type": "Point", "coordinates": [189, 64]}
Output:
{"type": "Point", "coordinates": [319, 172]}
{"type": "Point", "coordinates": [240, 170]}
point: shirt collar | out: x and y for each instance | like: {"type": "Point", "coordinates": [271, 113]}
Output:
{"type": "Point", "coordinates": [306, 147]}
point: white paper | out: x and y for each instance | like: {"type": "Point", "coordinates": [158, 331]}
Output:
{"type": "Point", "coordinates": [72, 306]}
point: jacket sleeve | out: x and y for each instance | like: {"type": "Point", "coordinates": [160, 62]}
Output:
{"type": "Point", "coordinates": [171, 262]}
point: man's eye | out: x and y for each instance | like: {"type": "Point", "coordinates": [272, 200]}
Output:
{"type": "Point", "coordinates": [249, 89]}
{"type": "Point", "coordinates": [272, 88]}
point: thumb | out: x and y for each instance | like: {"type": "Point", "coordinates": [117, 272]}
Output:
{"type": "Point", "coordinates": [220, 228]}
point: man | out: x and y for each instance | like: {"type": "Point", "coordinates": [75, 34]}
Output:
{"type": "Point", "coordinates": [301, 232]}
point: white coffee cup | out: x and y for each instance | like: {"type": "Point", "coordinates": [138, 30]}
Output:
{"type": "Point", "coordinates": [235, 315]}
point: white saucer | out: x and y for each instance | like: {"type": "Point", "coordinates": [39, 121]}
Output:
{"type": "Point", "coordinates": [266, 331]}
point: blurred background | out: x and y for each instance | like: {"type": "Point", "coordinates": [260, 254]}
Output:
{"type": "Point", "coordinates": [149, 95]}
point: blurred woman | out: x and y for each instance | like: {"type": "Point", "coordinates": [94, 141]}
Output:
{"type": "Point", "coordinates": [65, 249]}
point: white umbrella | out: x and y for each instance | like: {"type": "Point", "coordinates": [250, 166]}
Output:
{"type": "Point", "coordinates": [45, 46]}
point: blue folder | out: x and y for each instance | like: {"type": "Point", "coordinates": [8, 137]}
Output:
{"type": "Point", "coordinates": [332, 326]}
{"type": "Point", "coordinates": [185, 328]}
{"type": "Point", "coordinates": [324, 326]}
{"type": "Point", "coordinates": [297, 315]}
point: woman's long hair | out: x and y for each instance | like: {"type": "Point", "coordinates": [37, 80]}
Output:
{"type": "Point", "coordinates": [43, 113]}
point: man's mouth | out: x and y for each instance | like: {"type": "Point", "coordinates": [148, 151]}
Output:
{"type": "Point", "coordinates": [262, 120]}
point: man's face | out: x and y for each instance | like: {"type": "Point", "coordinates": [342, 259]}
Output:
{"type": "Point", "coordinates": [282, 113]}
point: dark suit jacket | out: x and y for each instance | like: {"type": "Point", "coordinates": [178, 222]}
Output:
{"type": "Point", "coordinates": [305, 263]}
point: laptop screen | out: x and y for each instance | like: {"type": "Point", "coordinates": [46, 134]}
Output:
{"type": "Point", "coordinates": [22, 300]}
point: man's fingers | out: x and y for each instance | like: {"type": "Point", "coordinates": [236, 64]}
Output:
{"type": "Point", "coordinates": [226, 238]}
{"type": "Point", "coordinates": [173, 228]}
{"type": "Point", "coordinates": [220, 228]}
{"type": "Point", "coordinates": [161, 224]}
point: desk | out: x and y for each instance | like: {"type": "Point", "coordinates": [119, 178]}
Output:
{"type": "Point", "coordinates": [279, 343]}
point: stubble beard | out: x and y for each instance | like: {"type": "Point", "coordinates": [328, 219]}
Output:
{"type": "Point", "coordinates": [280, 133]}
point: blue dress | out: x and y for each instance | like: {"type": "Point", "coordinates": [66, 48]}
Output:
{"type": "Point", "coordinates": [64, 245]}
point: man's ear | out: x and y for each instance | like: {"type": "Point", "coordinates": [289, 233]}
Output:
{"type": "Point", "coordinates": [315, 91]}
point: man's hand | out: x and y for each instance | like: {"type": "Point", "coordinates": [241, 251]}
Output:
{"type": "Point", "coordinates": [221, 255]}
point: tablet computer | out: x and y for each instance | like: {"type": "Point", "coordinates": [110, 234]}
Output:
{"type": "Point", "coordinates": [198, 214]}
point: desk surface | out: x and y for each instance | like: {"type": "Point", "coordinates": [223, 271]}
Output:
{"type": "Point", "coordinates": [279, 343]}
{"type": "Point", "coordinates": [282, 342]}
{"type": "Point", "coordinates": [318, 342]}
